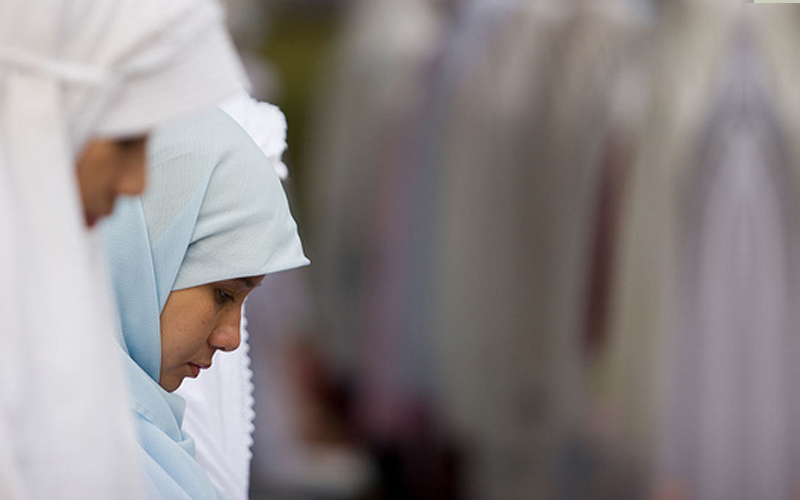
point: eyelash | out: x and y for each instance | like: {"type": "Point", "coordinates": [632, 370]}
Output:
{"type": "Point", "coordinates": [224, 297]}
{"type": "Point", "coordinates": [128, 142]}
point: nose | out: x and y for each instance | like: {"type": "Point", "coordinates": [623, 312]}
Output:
{"type": "Point", "coordinates": [226, 335]}
{"type": "Point", "coordinates": [133, 172]}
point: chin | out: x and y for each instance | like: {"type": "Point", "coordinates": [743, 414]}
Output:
{"type": "Point", "coordinates": [170, 385]}
{"type": "Point", "coordinates": [90, 220]}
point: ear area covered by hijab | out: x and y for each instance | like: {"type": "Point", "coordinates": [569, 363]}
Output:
{"type": "Point", "coordinates": [214, 210]}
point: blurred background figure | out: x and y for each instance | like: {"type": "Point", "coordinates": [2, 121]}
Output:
{"type": "Point", "coordinates": [705, 333]}
{"type": "Point", "coordinates": [553, 246]}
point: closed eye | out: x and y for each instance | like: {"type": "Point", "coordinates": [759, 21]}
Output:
{"type": "Point", "coordinates": [224, 297]}
{"type": "Point", "coordinates": [130, 142]}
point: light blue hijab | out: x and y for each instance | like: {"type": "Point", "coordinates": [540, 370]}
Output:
{"type": "Point", "coordinates": [214, 210]}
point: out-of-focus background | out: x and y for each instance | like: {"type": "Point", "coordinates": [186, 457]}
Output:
{"type": "Point", "coordinates": [531, 226]}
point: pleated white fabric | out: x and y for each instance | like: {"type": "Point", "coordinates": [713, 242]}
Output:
{"type": "Point", "coordinates": [266, 125]}
{"type": "Point", "coordinates": [71, 70]}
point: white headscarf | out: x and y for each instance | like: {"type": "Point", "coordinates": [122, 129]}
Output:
{"type": "Point", "coordinates": [71, 70]}
{"type": "Point", "coordinates": [219, 405]}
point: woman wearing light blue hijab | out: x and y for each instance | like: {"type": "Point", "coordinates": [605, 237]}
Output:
{"type": "Point", "coordinates": [183, 257]}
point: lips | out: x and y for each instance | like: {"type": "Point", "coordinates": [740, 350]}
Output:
{"type": "Point", "coordinates": [97, 214]}
{"type": "Point", "coordinates": [196, 367]}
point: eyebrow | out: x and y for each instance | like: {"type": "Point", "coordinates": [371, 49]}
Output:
{"type": "Point", "coordinates": [250, 283]}
{"type": "Point", "coordinates": [242, 283]}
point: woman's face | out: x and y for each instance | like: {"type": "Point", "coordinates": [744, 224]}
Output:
{"type": "Point", "coordinates": [108, 168]}
{"type": "Point", "coordinates": [198, 321]}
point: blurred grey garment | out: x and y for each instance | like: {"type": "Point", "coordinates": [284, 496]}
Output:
{"type": "Point", "coordinates": [282, 460]}
{"type": "Point", "coordinates": [594, 108]}
{"type": "Point", "coordinates": [379, 77]}
{"type": "Point", "coordinates": [734, 370]}
{"type": "Point", "coordinates": [368, 176]}
{"type": "Point", "coordinates": [494, 394]}
{"type": "Point", "coordinates": [71, 71]}
{"type": "Point", "coordinates": [279, 312]}
{"type": "Point", "coordinates": [393, 372]}
{"type": "Point", "coordinates": [645, 327]}
{"type": "Point", "coordinates": [776, 36]}
{"type": "Point", "coordinates": [731, 417]}
{"type": "Point", "coordinates": [251, 24]}
{"type": "Point", "coordinates": [280, 316]}
{"type": "Point", "coordinates": [528, 121]}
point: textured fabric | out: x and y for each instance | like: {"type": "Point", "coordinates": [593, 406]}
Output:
{"type": "Point", "coordinates": [219, 405]}
{"type": "Point", "coordinates": [214, 210]}
{"type": "Point", "coordinates": [70, 71]}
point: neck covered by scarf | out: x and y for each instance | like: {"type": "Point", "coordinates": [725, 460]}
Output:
{"type": "Point", "coordinates": [215, 210]}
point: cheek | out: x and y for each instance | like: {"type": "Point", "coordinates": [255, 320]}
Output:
{"type": "Point", "coordinates": [132, 175]}
{"type": "Point", "coordinates": [138, 158]}
{"type": "Point", "coordinates": [96, 177]}
{"type": "Point", "coordinates": [184, 333]}
{"type": "Point", "coordinates": [187, 320]}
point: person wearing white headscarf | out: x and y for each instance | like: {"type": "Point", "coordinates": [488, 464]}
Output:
{"type": "Point", "coordinates": [219, 405]}
{"type": "Point", "coordinates": [72, 71]}
{"type": "Point", "coordinates": [215, 213]}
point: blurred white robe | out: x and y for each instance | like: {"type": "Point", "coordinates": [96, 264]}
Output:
{"type": "Point", "coordinates": [71, 71]}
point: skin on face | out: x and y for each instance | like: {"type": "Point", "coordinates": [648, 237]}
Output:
{"type": "Point", "coordinates": [108, 168]}
{"type": "Point", "coordinates": [196, 322]}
